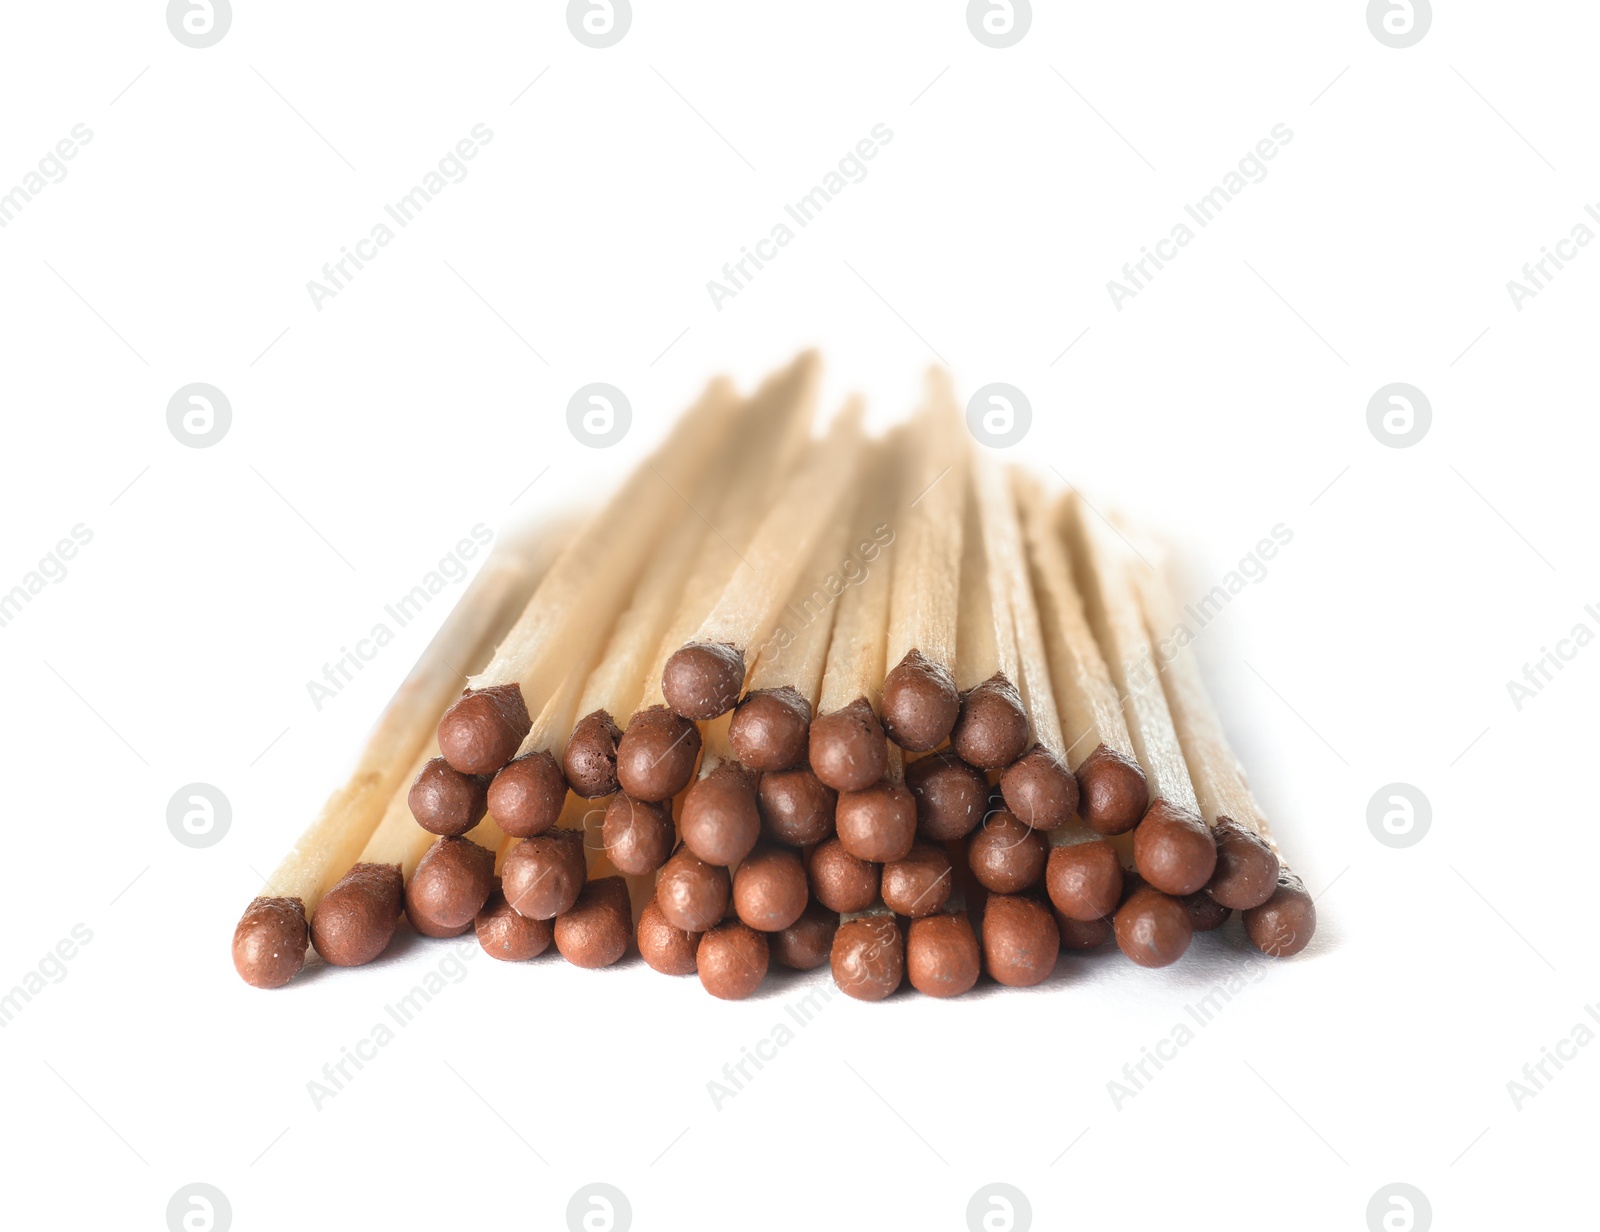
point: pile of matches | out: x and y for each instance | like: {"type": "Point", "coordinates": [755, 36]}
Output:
{"type": "Point", "coordinates": [876, 703]}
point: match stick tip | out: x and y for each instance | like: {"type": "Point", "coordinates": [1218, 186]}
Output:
{"type": "Point", "coordinates": [637, 834]}
{"type": "Point", "coordinates": [720, 822]}
{"type": "Point", "coordinates": [692, 894]}
{"type": "Point", "coordinates": [452, 880]}
{"type": "Point", "coordinates": [732, 961]}
{"type": "Point", "coordinates": [484, 728]}
{"type": "Point", "coordinates": [878, 823]}
{"type": "Point", "coordinates": [446, 802]}
{"type": "Point", "coordinates": [701, 681]}
{"type": "Point", "coordinates": [797, 808]}
{"type": "Point", "coordinates": [991, 731]}
{"type": "Point", "coordinates": [527, 794]}
{"type": "Point", "coordinates": [666, 948]}
{"type": "Point", "coordinates": [805, 944]}
{"type": "Point", "coordinates": [771, 729]}
{"type": "Point", "coordinates": [1152, 928]}
{"type": "Point", "coordinates": [657, 755]}
{"type": "Point", "coordinates": [770, 889]}
{"type": "Point", "coordinates": [508, 935]}
{"type": "Point", "coordinates": [269, 944]}
{"type": "Point", "coordinates": [590, 760]}
{"type": "Point", "coordinates": [868, 957]}
{"type": "Point", "coordinates": [543, 875]}
{"type": "Point", "coordinates": [919, 883]}
{"type": "Point", "coordinates": [1040, 789]}
{"type": "Point", "coordinates": [1020, 940]}
{"type": "Point", "coordinates": [1283, 925]}
{"type": "Point", "coordinates": [1006, 854]}
{"type": "Point", "coordinates": [952, 797]}
{"type": "Point", "coordinates": [1173, 849]}
{"type": "Point", "coordinates": [355, 921]}
{"type": "Point", "coordinates": [942, 956]}
{"type": "Point", "coordinates": [1112, 792]}
{"type": "Point", "coordinates": [920, 703]}
{"type": "Point", "coordinates": [848, 748]}
{"type": "Point", "coordinates": [840, 881]}
{"type": "Point", "coordinates": [596, 930]}
{"type": "Point", "coordinates": [1247, 869]}
{"type": "Point", "coordinates": [1084, 880]}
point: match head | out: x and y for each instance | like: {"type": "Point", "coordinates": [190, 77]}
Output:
{"type": "Point", "coordinates": [1112, 792]}
{"type": "Point", "coordinates": [596, 930]}
{"type": "Point", "coordinates": [590, 761]}
{"type": "Point", "coordinates": [1173, 849]}
{"type": "Point", "coordinates": [1152, 928]}
{"type": "Point", "coordinates": [951, 796]}
{"type": "Point", "coordinates": [1084, 880]}
{"type": "Point", "coordinates": [355, 920]}
{"type": "Point", "coordinates": [508, 935]}
{"type": "Point", "coordinates": [771, 729]}
{"type": "Point", "coordinates": [992, 729]}
{"type": "Point", "coordinates": [868, 957]}
{"type": "Point", "coordinates": [879, 823]}
{"type": "Point", "coordinates": [719, 821]}
{"type": "Point", "coordinates": [732, 961]}
{"type": "Point", "coordinates": [667, 948]}
{"type": "Point", "coordinates": [1020, 940]}
{"type": "Point", "coordinates": [692, 894]}
{"type": "Point", "coordinates": [1205, 912]}
{"type": "Point", "coordinates": [484, 729]}
{"type": "Point", "coordinates": [543, 876]}
{"type": "Point", "coordinates": [1040, 789]}
{"type": "Point", "coordinates": [527, 794]}
{"type": "Point", "coordinates": [637, 836]}
{"type": "Point", "coordinates": [445, 801]}
{"type": "Point", "coordinates": [1247, 869]}
{"type": "Point", "coordinates": [848, 748]}
{"type": "Point", "coordinates": [702, 680]}
{"type": "Point", "coordinates": [1081, 934]}
{"type": "Point", "coordinates": [942, 957]}
{"type": "Point", "coordinates": [840, 881]}
{"type": "Point", "coordinates": [920, 703]}
{"type": "Point", "coordinates": [770, 889]}
{"type": "Point", "coordinates": [805, 944]}
{"type": "Point", "coordinates": [269, 944]}
{"type": "Point", "coordinates": [452, 881]}
{"type": "Point", "coordinates": [796, 807]}
{"type": "Point", "coordinates": [1284, 924]}
{"type": "Point", "coordinates": [1006, 856]}
{"type": "Point", "coordinates": [919, 883]}
{"type": "Point", "coordinates": [657, 755]}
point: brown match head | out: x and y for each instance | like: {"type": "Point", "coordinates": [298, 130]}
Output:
{"type": "Point", "coordinates": [667, 948]}
{"type": "Point", "coordinates": [992, 729]}
{"type": "Point", "coordinates": [692, 894]}
{"type": "Point", "coordinates": [1112, 792]}
{"type": "Point", "coordinates": [1084, 880]}
{"type": "Point", "coordinates": [637, 836]}
{"type": "Point", "coordinates": [805, 944]}
{"type": "Point", "coordinates": [719, 821]}
{"type": "Point", "coordinates": [920, 703]}
{"type": "Point", "coordinates": [508, 935]}
{"type": "Point", "coordinates": [269, 944]}
{"type": "Point", "coordinates": [596, 931]}
{"type": "Point", "coordinates": [879, 823]}
{"type": "Point", "coordinates": [848, 749]}
{"type": "Point", "coordinates": [484, 729]}
{"type": "Point", "coordinates": [1020, 940]}
{"type": "Point", "coordinates": [796, 807]}
{"type": "Point", "coordinates": [732, 961]}
{"type": "Point", "coordinates": [1247, 869]}
{"type": "Point", "coordinates": [590, 760]}
{"type": "Point", "coordinates": [1152, 928]}
{"type": "Point", "coordinates": [951, 796]}
{"type": "Point", "coordinates": [702, 680]}
{"type": "Point", "coordinates": [657, 755]}
{"type": "Point", "coordinates": [445, 801]}
{"type": "Point", "coordinates": [543, 876]}
{"type": "Point", "coordinates": [1006, 856]}
{"type": "Point", "coordinates": [1284, 924]}
{"type": "Point", "coordinates": [452, 881]}
{"type": "Point", "coordinates": [868, 957]}
{"type": "Point", "coordinates": [527, 794]}
{"type": "Point", "coordinates": [840, 881]}
{"type": "Point", "coordinates": [1081, 934]}
{"type": "Point", "coordinates": [919, 883]}
{"type": "Point", "coordinates": [355, 920]}
{"type": "Point", "coordinates": [1040, 789]}
{"type": "Point", "coordinates": [1205, 912]}
{"type": "Point", "coordinates": [771, 729]}
{"type": "Point", "coordinates": [1173, 849]}
{"type": "Point", "coordinates": [770, 889]}
{"type": "Point", "coordinates": [942, 958]}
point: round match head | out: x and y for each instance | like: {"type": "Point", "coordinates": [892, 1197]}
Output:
{"type": "Point", "coordinates": [509, 936]}
{"type": "Point", "coordinates": [668, 949]}
{"type": "Point", "coordinates": [355, 920]}
{"type": "Point", "coordinates": [879, 823]}
{"type": "Point", "coordinates": [796, 807]}
{"type": "Point", "coordinates": [269, 944]}
{"type": "Point", "coordinates": [702, 680]}
{"type": "Point", "coordinates": [1173, 849]}
{"type": "Point", "coordinates": [920, 703]}
{"type": "Point", "coordinates": [1040, 789]}
{"type": "Point", "coordinates": [1152, 928]}
{"type": "Point", "coordinates": [770, 889]}
{"type": "Point", "coordinates": [942, 955]}
{"type": "Point", "coordinates": [848, 749]}
{"type": "Point", "coordinates": [1020, 940]}
{"type": "Point", "coordinates": [596, 930]}
{"type": "Point", "coordinates": [590, 760]}
{"type": "Point", "coordinates": [868, 957]}
{"type": "Point", "coordinates": [692, 894]}
{"type": "Point", "coordinates": [638, 837]}
{"type": "Point", "coordinates": [1112, 792]}
{"type": "Point", "coordinates": [526, 796]}
{"type": "Point", "coordinates": [771, 729]}
{"type": "Point", "coordinates": [805, 944]}
{"type": "Point", "coordinates": [719, 821]}
{"type": "Point", "coordinates": [1205, 912]}
{"type": "Point", "coordinates": [1247, 869]}
{"type": "Point", "coordinates": [1006, 856]}
{"type": "Point", "coordinates": [445, 801]}
{"type": "Point", "coordinates": [992, 730]}
{"type": "Point", "coordinates": [1084, 880]}
{"type": "Point", "coordinates": [484, 729]}
{"type": "Point", "coordinates": [543, 876]}
{"type": "Point", "coordinates": [951, 796]}
{"type": "Point", "coordinates": [1284, 924]}
{"type": "Point", "coordinates": [732, 960]}
{"type": "Point", "coordinates": [452, 880]}
{"type": "Point", "coordinates": [656, 758]}
{"type": "Point", "coordinates": [841, 882]}
{"type": "Point", "coordinates": [919, 883]}
{"type": "Point", "coordinates": [1081, 934]}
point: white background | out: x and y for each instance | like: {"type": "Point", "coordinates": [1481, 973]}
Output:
{"type": "Point", "coordinates": [371, 435]}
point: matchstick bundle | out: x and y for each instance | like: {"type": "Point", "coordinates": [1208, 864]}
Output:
{"type": "Point", "coordinates": [793, 700]}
